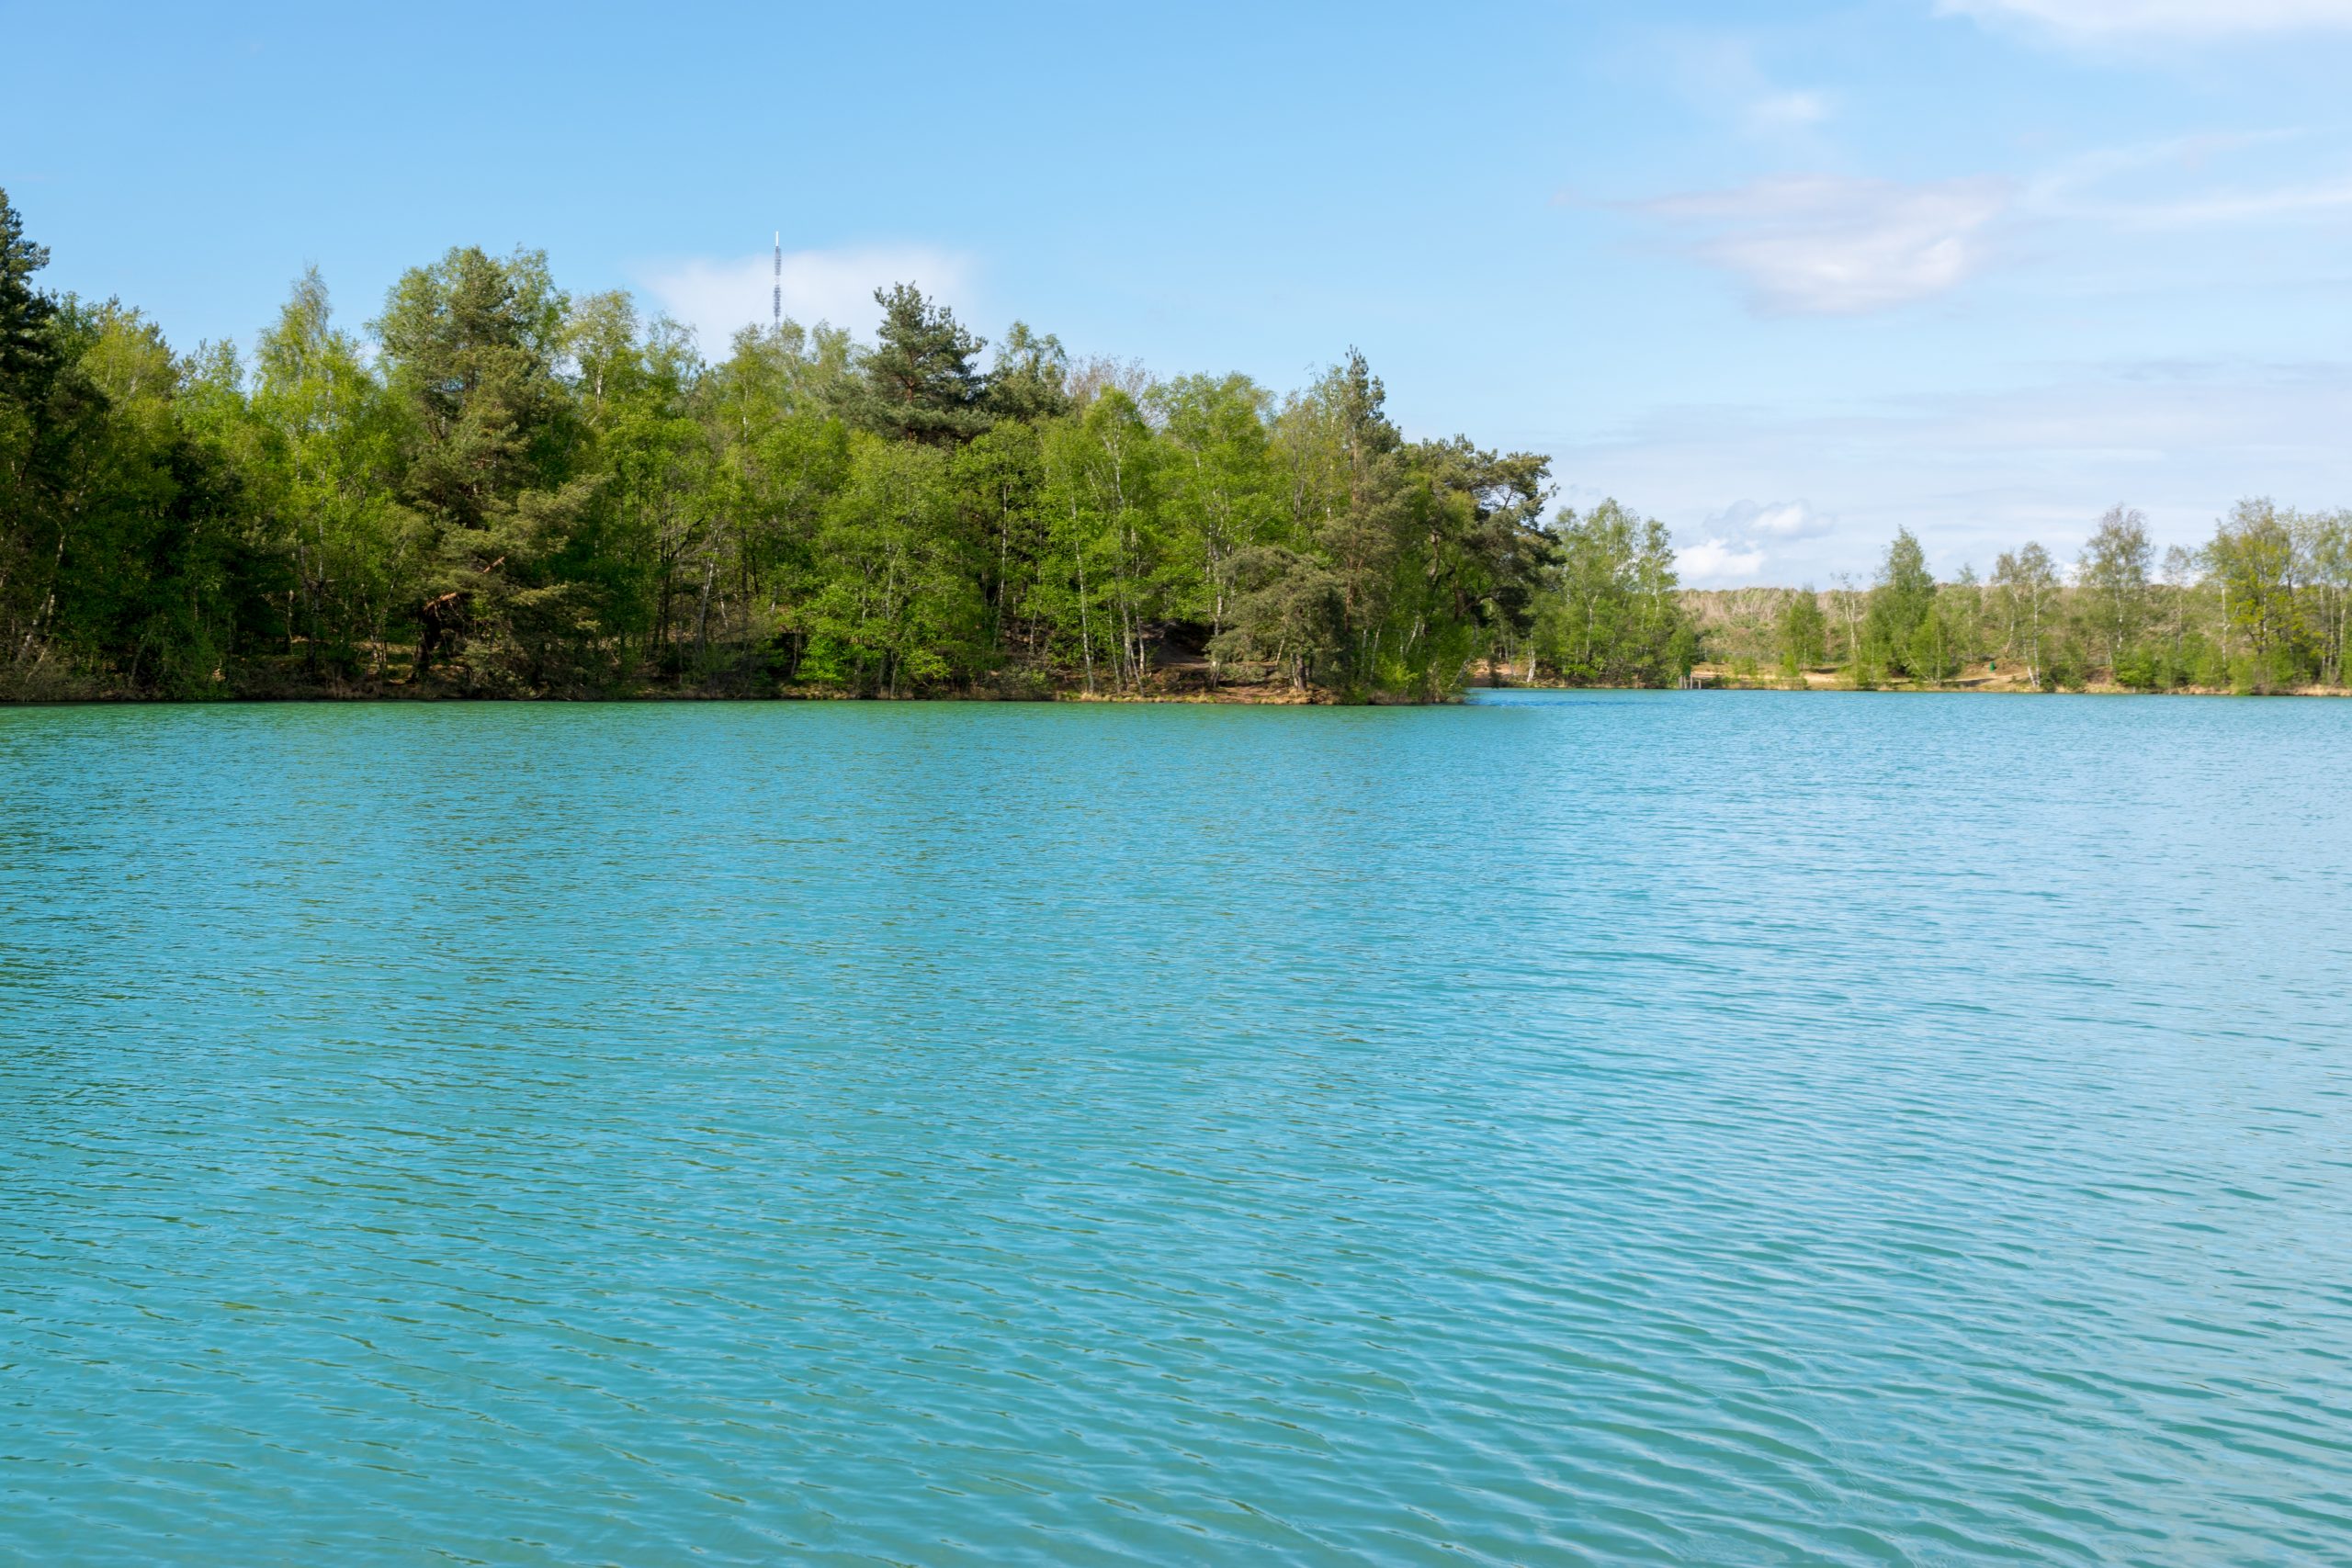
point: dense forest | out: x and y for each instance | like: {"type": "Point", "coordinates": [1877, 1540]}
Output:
{"type": "Point", "coordinates": [501, 490]}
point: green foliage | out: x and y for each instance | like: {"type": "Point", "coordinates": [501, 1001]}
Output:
{"type": "Point", "coordinates": [493, 463]}
{"type": "Point", "coordinates": [2026, 587]}
{"type": "Point", "coordinates": [1802, 632]}
{"type": "Point", "coordinates": [919, 383]}
{"type": "Point", "coordinates": [2254, 561]}
{"type": "Point", "coordinates": [2112, 581]}
{"type": "Point", "coordinates": [28, 354]}
{"type": "Point", "coordinates": [2142, 667]}
{"type": "Point", "coordinates": [1361, 562]}
{"type": "Point", "coordinates": [1220, 474]}
{"type": "Point", "coordinates": [321, 447]}
{"type": "Point", "coordinates": [125, 531]}
{"type": "Point", "coordinates": [1899, 627]}
{"type": "Point", "coordinates": [1031, 377]}
{"type": "Point", "coordinates": [1612, 615]}
{"type": "Point", "coordinates": [1932, 652]}
{"type": "Point", "coordinates": [898, 610]}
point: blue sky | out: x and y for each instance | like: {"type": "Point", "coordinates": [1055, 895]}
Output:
{"type": "Point", "coordinates": [1787, 277]}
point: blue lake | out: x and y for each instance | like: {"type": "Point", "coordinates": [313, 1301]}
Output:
{"type": "Point", "coordinates": [1717, 1128]}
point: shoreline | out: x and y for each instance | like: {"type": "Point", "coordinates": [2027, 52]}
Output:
{"type": "Point", "coordinates": [1241, 697]}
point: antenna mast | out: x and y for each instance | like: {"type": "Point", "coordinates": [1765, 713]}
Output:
{"type": "Point", "coordinates": [776, 304]}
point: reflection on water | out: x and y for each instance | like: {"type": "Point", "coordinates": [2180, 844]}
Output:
{"type": "Point", "coordinates": [1723, 1129]}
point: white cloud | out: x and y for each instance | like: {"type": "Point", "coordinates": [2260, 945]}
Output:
{"type": "Point", "coordinates": [1714, 563]}
{"type": "Point", "coordinates": [1831, 245]}
{"type": "Point", "coordinates": [2098, 20]}
{"type": "Point", "coordinates": [1735, 543]}
{"type": "Point", "coordinates": [717, 298]}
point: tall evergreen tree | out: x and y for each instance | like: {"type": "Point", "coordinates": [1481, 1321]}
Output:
{"type": "Point", "coordinates": [472, 345]}
{"type": "Point", "coordinates": [919, 381]}
{"type": "Point", "coordinates": [29, 355]}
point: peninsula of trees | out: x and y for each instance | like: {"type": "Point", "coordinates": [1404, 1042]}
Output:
{"type": "Point", "coordinates": [501, 490]}
{"type": "Point", "coordinates": [507, 491]}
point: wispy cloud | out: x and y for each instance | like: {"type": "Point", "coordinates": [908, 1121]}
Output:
{"type": "Point", "coordinates": [2173, 185]}
{"type": "Point", "coordinates": [2096, 21]}
{"type": "Point", "coordinates": [717, 298]}
{"type": "Point", "coordinates": [1821, 244]}
{"type": "Point", "coordinates": [1720, 74]}
{"type": "Point", "coordinates": [1835, 245]}
{"type": "Point", "coordinates": [1778, 520]}
{"type": "Point", "coordinates": [2071, 178]}
{"type": "Point", "coordinates": [2227, 206]}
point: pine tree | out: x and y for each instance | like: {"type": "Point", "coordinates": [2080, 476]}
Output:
{"type": "Point", "coordinates": [921, 383]}
{"type": "Point", "coordinates": [28, 354]}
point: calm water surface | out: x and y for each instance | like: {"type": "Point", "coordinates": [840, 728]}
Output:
{"type": "Point", "coordinates": [1712, 1128]}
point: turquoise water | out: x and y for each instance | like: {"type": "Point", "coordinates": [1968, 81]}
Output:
{"type": "Point", "coordinates": [1712, 1128]}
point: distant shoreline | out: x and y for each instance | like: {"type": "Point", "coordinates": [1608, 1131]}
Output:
{"type": "Point", "coordinates": [1948, 688]}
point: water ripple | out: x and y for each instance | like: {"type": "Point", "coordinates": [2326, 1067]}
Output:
{"type": "Point", "coordinates": [1696, 1128]}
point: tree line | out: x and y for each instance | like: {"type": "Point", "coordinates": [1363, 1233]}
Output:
{"type": "Point", "coordinates": [500, 489]}
{"type": "Point", "coordinates": [2264, 606]}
